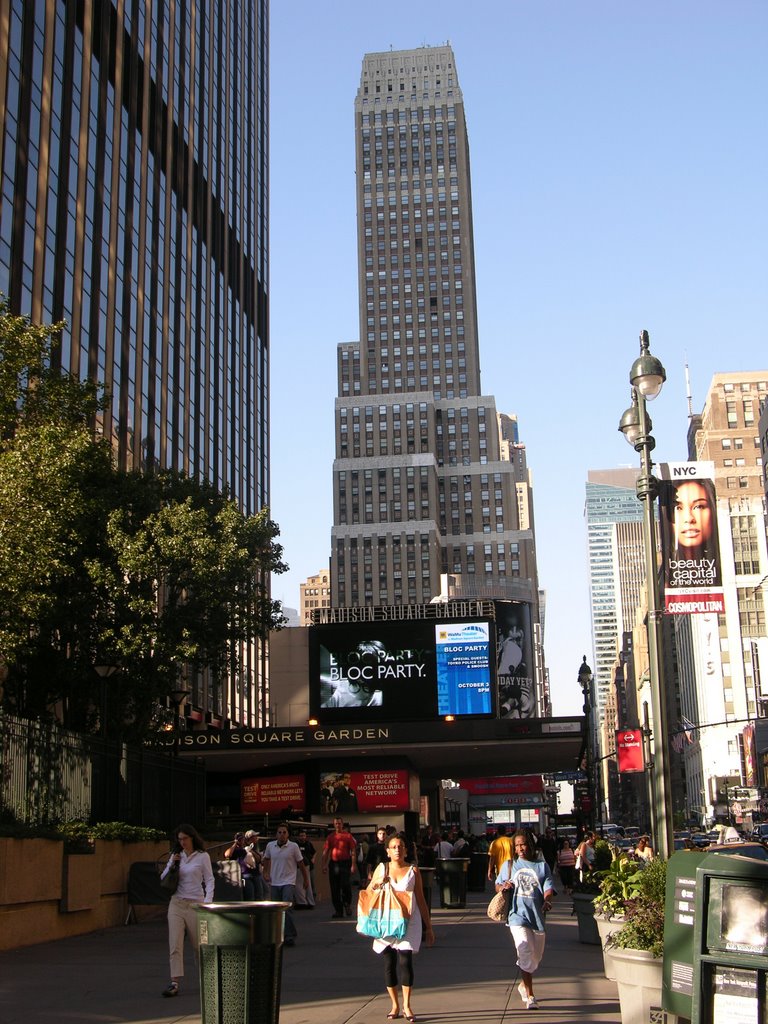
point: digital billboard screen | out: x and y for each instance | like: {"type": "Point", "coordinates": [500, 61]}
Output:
{"type": "Point", "coordinates": [396, 671]}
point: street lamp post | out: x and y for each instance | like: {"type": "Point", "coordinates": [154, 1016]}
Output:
{"type": "Point", "coordinates": [178, 696]}
{"type": "Point", "coordinates": [105, 672]}
{"type": "Point", "coordinates": [647, 377]}
{"type": "Point", "coordinates": [585, 682]}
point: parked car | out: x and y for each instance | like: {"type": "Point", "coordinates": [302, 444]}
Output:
{"type": "Point", "coordinates": [611, 831]}
{"type": "Point", "coordinates": [701, 839]}
{"type": "Point", "coordinates": [761, 831]}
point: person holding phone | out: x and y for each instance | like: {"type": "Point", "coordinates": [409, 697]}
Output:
{"type": "Point", "coordinates": [189, 858]}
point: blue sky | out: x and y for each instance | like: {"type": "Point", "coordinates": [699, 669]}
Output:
{"type": "Point", "coordinates": [619, 169]}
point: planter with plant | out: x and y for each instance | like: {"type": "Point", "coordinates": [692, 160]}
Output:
{"type": "Point", "coordinates": [618, 884]}
{"type": "Point", "coordinates": [636, 949]}
{"type": "Point", "coordinates": [585, 893]}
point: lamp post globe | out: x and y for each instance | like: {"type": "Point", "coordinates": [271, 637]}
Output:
{"type": "Point", "coordinates": [647, 374]}
{"type": "Point", "coordinates": [585, 679]}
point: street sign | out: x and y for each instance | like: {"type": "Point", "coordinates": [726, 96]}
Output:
{"type": "Point", "coordinates": [574, 776]}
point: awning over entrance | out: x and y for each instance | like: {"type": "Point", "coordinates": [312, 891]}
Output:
{"type": "Point", "coordinates": [436, 750]}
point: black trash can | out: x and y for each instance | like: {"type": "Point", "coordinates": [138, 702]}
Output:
{"type": "Point", "coordinates": [427, 880]}
{"type": "Point", "coordinates": [241, 951]}
{"type": "Point", "coordinates": [452, 878]}
{"type": "Point", "coordinates": [478, 872]}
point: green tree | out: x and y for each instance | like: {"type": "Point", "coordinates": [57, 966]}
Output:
{"type": "Point", "coordinates": [185, 586]}
{"type": "Point", "coordinates": [158, 574]}
{"type": "Point", "coordinates": [53, 480]}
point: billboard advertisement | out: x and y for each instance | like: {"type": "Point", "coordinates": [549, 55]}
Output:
{"type": "Point", "coordinates": [689, 542]}
{"type": "Point", "coordinates": [276, 794]}
{"type": "Point", "coordinates": [463, 668]}
{"type": "Point", "coordinates": [503, 784]}
{"type": "Point", "coordinates": [363, 792]}
{"type": "Point", "coordinates": [400, 670]}
{"type": "Point", "coordinates": [514, 660]}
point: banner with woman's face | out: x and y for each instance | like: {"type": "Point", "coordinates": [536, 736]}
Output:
{"type": "Point", "coordinates": [689, 542]}
{"type": "Point", "coordinates": [514, 660]}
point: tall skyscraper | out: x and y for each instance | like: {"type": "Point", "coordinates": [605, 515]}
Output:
{"type": "Point", "coordinates": [133, 206]}
{"type": "Point", "coordinates": [429, 481]}
{"type": "Point", "coordinates": [723, 658]}
{"type": "Point", "coordinates": [616, 567]}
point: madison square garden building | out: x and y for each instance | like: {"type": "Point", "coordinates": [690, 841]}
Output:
{"type": "Point", "coordinates": [432, 493]}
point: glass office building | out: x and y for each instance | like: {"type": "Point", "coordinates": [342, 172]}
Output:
{"type": "Point", "coordinates": [614, 518]}
{"type": "Point", "coordinates": [133, 206]}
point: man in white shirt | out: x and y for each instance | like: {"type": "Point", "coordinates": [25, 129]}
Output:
{"type": "Point", "coordinates": [443, 848]}
{"type": "Point", "coordinates": [281, 862]}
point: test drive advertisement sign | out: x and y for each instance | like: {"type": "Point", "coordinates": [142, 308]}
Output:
{"type": "Point", "coordinates": [629, 747]}
{"type": "Point", "coordinates": [272, 795]}
{"type": "Point", "coordinates": [364, 792]}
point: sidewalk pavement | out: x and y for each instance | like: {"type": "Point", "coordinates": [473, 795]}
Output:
{"type": "Point", "coordinates": [331, 976]}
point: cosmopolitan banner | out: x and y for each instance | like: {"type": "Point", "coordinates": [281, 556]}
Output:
{"type": "Point", "coordinates": [689, 543]}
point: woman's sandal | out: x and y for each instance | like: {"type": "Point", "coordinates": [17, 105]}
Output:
{"type": "Point", "coordinates": [393, 1015]}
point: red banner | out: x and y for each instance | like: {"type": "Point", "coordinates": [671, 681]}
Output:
{"type": "Point", "coordinates": [363, 792]}
{"type": "Point", "coordinates": [273, 794]}
{"type": "Point", "coordinates": [505, 784]}
{"type": "Point", "coordinates": [629, 747]}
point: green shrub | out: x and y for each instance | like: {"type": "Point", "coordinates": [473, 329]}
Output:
{"type": "Point", "coordinates": [619, 884]}
{"type": "Point", "coordinates": [110, 830]}
{"type": "Point", "coordinates": [603, 855]}
{"type": "Point", "coordinates": [644, 926]}
{"type": "Point", "coordinates": [80, 831]}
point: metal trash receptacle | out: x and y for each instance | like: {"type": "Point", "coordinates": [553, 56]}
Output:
{"type": "Point", "coordinates": [478, 872]}
{"type": "Point", "coordinates": [427, 879]}
{"type": "Point", "coordinates": [241, 950]}
{"type": "Point", "coordinates": [452, 879]}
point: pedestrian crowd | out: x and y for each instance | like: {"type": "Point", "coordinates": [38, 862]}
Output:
{"type": "Point", "coordinates": [520, 866]}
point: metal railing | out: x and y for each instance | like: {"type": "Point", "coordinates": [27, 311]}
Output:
{"type": "Point", "coordinates": [49, 775]}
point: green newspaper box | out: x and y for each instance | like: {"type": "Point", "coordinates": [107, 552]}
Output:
{"type": "Point", "coordinates": [730, 954]}
{"type": "Point", "coordinates": [679, 911]}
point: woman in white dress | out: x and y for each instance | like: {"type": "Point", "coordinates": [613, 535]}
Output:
{"type": "Point", "coordinates": [398, 955]}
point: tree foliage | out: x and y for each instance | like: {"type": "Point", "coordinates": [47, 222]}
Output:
{"type": "Point", "coordinates": [158, 574]}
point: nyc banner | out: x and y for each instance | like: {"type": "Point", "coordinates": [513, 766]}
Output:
{"type": "Point", "coordinates": [689, 543]}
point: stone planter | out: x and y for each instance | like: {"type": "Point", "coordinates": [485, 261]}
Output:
{"type": "Point", "coordinates": [606, 926]}
{"type": "Point", "coordinates": [48, 894]}
{"type": "Point", "coordinates": [584, 909]}
{"type": "Point", "coordinates": [638, 976]}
